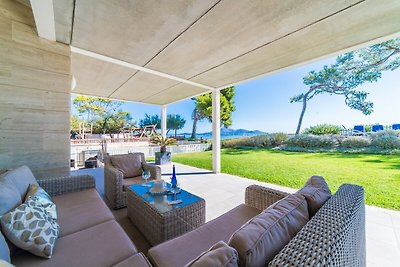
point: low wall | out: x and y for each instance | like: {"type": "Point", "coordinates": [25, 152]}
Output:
{"type": "Point", "coordinates": [81, 152]}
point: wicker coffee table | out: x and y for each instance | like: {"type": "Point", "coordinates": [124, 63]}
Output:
{"type": "Point", "coordinates": [157, 219]}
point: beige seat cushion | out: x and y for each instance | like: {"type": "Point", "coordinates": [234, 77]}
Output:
{"type": "Point", "coordinates": [80, 210]}
{"type": "Point", "coordinates": [130, 164]}
{"type": "Point", "coordinates": [219, 255]}
{"type": "Point", "coordinates": [138, 260]}
{"type": "Point", "coordinates": [105, 244]}
{"type": "Point", "coordinates": [131, 181]}
{"type": "Point", "coordinates": [317, 192]}
{"type": "Point", "coordinates": [193, 243]}
{"type": "Point", "coordinates": [259, 240]}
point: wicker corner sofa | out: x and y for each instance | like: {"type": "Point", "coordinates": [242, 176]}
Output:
{"type": "Point", "coordinates": [89, 234]}
{"type": "Point", "coordinates": [334, 236]}
{"type": "Point", "coordinates": [115, 183]}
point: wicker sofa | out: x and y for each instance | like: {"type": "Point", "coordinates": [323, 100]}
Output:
{"type": "Point", "coordinates": [115, 182]}
{"type": "Point", "coordinates": [334, 236]}
{"type": "Point", "coordinates": [89, 235]}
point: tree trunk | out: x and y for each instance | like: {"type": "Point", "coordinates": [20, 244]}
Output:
{"type": "Point", "coordinates": [175, 132]}
{"type": "Point", "coordinates": [302, 113]}
{"type": "Point", "coordinates": [195, 119]}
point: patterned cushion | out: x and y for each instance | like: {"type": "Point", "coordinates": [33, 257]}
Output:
{"type": "Point", "coordinates": [4, 251]}
{"type": "Point", "coordinates": [220, 254]}
{"type": "Point", "coordinates": [44, 198]}
{"type": "Point", "coordinates": [29, 227]}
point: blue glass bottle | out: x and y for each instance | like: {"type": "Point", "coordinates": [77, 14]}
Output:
{"type": "Point", "coordinates": [173, 178]}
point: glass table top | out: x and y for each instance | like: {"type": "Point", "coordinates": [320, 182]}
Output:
{"type": "Point", "coordinates": [162, 202]}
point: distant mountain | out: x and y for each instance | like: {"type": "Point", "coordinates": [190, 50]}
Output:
{"type": "Point", "coordinates": [229, 133]}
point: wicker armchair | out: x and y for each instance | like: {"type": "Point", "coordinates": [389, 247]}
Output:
{"type": "Point", "coordinates": [115, 182]}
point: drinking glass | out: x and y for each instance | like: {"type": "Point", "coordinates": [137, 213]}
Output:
{"type": "Point", "coordinates": [175, 190]}
{"type": "Point", "coordinates": [146, 175]}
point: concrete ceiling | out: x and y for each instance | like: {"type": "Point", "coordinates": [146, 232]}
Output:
{"type": "Point", "coordinates": [215, 43]}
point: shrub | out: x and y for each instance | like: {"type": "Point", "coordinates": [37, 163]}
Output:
{"type": "Point", "coordinates": [323, 129]}
{"type": "Point", "coordinates": [235, 142]}
{"type": "Point", "coordinates": [254, 141]}
{"type": "Point", "coordinates": [387, 139]}
{"type": "Point", "coordinates": [260, 141]}
{"type": "Point", "coordinates": [356, 141]}
{"type": "Point", "coordinates": [278, 139]}
{"type": "Point", "coordinates": [307, 140]}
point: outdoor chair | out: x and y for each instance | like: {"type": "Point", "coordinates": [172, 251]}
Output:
{"type": "Point", "coordinates": [377, 128]}
{"type": "Point", "coordinates": [359, 130]}
{"type": "Point", "coordinates": [396, 126]}
{"type": "Point", "coordinates": [122, 171]}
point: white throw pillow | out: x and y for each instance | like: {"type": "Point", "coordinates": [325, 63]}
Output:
{"type": "Point", "coordinates": [30, 227]}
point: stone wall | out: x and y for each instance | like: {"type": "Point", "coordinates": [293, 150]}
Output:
{"type": "Point", "coordinates": [35, 84]}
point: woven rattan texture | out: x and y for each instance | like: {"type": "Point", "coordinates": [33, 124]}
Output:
{"type": "Point", "coordinates": [260, 197]}
{"type": "Point", "coordinates": [67, 184]}
{"type": "Point", "coordinates": [113, 187]}
{"type": "Point", "coordinates": [335, 236]}
{"type": "Point", "coordinates": [159, 227]}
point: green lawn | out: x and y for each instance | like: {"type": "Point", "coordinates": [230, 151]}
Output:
{"type": "Point", "coordinates": [378, 174]}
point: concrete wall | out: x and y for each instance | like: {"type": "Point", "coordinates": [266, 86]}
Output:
{"type": "Point", "coordinates": [35, 83]}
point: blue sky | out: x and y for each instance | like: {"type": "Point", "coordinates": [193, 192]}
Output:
{"type": "Point", "coordinates": [264, 104]}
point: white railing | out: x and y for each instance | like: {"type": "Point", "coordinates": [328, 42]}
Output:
{"type": "Point", "coordinates": [80, 154]}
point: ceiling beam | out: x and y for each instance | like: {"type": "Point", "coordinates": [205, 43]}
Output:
{"type": "Point", "coordinates": [136, 67]}
{"type": "Point", "coordinates": [43, 13]}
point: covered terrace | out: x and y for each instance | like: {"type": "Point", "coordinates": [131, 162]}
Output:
{"type": "Point", "coordinates": [160, 52]}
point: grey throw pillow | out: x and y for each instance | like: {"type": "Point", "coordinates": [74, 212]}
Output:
{"type": "Point", "coordinates": [219, 254]}
{"type": "Point", "coordinates": [9, 197]}
{"type": "Point", "coordinates": [260, 239]}
{"type": "Point", "coordinates": [29, 227]}
{"type": "Point", "coordinates": [4, 251]}
{"type": "Point", "coordinates": [21, 178]}
{"type": "Point", "coordinates": [317, 192]}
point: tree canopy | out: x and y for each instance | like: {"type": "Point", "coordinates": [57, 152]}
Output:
{"type": "Point", "coordinates": [175, 122]}
{"type": "Point", "coordinates": [349, 72]}
{"type": "Point", "coordinates": [203, 108]}
{"type": "Point", "coordinates": [105, 114]}
{"type": "Point", "coordinates": [150, 120]}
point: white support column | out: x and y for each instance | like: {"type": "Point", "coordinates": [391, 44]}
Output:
{"type": "Point", "coordinates": [164, 121]}
{"type": "Point", "coordinates": [216, 131]}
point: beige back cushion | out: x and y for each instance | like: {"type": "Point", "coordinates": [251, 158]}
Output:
{"type": "Point", "coordinates": [317, 192]}
{"type": "Point", "coordinates": [130, 164]}
{"type": "Point", "coordinates": [260, 239]}
{"type": "Point", "coordinates": [220, 254]}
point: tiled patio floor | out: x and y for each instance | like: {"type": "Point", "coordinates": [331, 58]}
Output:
{"type": "Point", "coordinates": [223, 192]}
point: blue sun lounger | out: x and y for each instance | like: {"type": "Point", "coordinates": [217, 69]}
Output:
{"type": "Point", "coordinates": [377, 127]}
{"type": "Point", "coordinates": [359, 130]}
{"type": "Point", "coordinates": [396, 126]}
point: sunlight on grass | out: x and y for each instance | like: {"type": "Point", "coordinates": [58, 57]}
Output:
{"type": "Point", "coordinates": [378, 174]}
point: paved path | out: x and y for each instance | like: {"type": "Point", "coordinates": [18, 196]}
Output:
{"type": "Point", "coordinates": [222, 192]}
